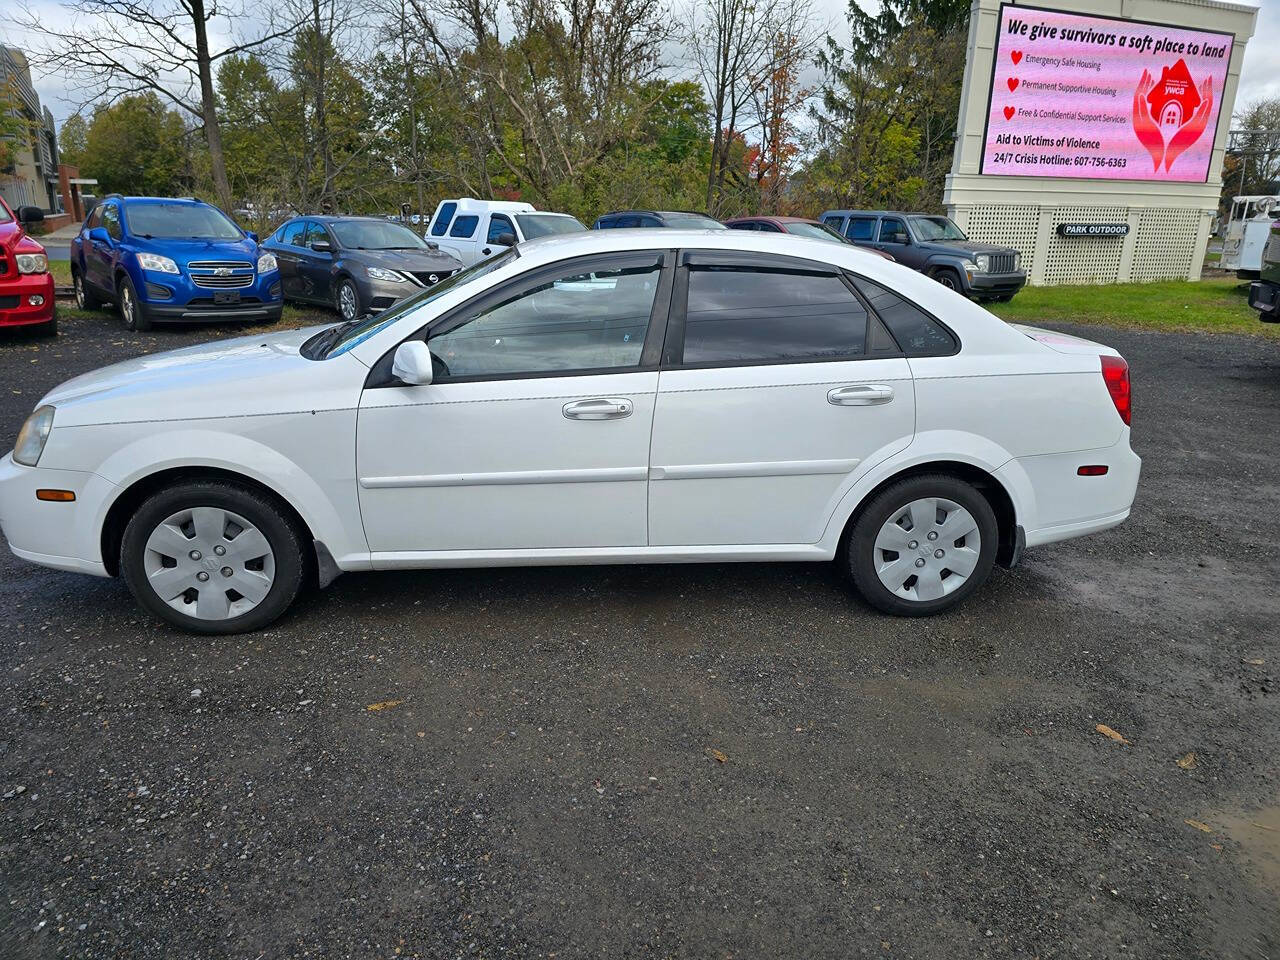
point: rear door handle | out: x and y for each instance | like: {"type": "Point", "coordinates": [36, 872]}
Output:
{"type": "Point", "coordinates": [600, 408]}
{"type": "Point", "coordinates": [860, 395]}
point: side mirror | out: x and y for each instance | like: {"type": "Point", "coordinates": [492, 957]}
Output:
{"type": "Point", "coordinates": [321, 246]}
{"type": "Point", "coordinates": [507, 239]}
{"type": "Point", "coordinates": [99, 235]}
{"type": "Point", "coordinates": [412, 363]}
{"type": "Point", "coordinates": [30, 214]}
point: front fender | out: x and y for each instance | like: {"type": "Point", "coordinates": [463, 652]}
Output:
{"type": "Point", "coordinates": [936, 446]}
{"type": "Point", "coordinates": [320, 504]}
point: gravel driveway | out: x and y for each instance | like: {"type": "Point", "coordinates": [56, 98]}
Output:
{"type": "Point", "coordinates": [675, 761]}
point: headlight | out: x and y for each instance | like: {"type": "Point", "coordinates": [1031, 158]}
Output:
{"type": "Point", "coordinates": [267, 263]}
{"type": "Point", "coordinates": [983, 262]}
{"type": "Point", "coordinates": [1017, 261]}
{"type": "Point", "coordinates": [377, 273]}
{"type": "Point", "coordinates": [156, 263]}
{"type": "Point", "coordinates": [32, 263]}
{"type": "Point", "coordinates": [32, 437]}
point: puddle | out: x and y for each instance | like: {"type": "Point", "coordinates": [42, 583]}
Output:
{"type": "Point", "coordinates": [1258, 834]}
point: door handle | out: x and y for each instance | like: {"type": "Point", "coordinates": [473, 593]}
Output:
{"type": "Point", "coordinates": [601, 408]}
{"type": "Point", "coordinates": [860, 395]}
{"type": "Point", "coordinates": [486, 251]}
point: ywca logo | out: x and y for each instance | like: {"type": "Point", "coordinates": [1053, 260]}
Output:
{"type": "Point", "coordinates": [1170, 114]}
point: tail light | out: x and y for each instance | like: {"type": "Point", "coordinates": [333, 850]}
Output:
{"type": "Point", "coordinates": [1115, 373]}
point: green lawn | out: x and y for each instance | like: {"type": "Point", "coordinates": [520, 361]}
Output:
{"type": "Point", "coordinates": [61, 270]}
{"type": "Point", "coordinates": [1209, 306]}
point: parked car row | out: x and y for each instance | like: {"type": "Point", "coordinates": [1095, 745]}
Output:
{"type": "Point", "coordinates": [182, 259]}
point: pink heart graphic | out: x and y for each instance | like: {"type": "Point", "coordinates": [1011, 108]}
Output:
{"type": "Point", "coordinates": [1009, 112]}
{"type": "Point", "coordinates": [1013, 84]}
{"type": "Point", "coordinates": [1015, 56]}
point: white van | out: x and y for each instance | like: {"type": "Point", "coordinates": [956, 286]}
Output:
{"type": "Point", "coordinates": [475, 229]}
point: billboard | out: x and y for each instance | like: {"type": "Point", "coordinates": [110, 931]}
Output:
{"type": "Point", "coordinates": [1102, 98]}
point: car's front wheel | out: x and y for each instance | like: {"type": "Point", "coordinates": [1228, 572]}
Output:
{"type": "Point", "coordinates": [949, 278]}
{"type": "Point", "coordinates": [348, 300]}
{"type": "Point", "coordinates": [213, 557]}
{"type": "Point", "coordinates": [922, 545]}
{"type": "Point", "coordinates": [131, 313]}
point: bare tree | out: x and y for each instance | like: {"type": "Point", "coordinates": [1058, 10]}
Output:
{"type": "Point", "coordinates": [115, 48]}
{"type": "Point", "coordinates": [729, 42]}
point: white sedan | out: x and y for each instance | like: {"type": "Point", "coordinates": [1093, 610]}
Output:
{"type": "Point", "coordinates": [613, 397]}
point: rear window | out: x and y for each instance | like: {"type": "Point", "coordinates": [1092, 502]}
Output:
{"type": "Point", "coordinates": [917, 333]}
{"type": "Point", "coordinates": [742, 315]}
{"type": "Point", "coordinates": [464, 227]}
{"type": "Point", "coordinates": [443, 218]}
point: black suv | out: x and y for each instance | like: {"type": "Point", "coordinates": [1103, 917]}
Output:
{"type": "Point", "coordinates": [935, 246]}
{"type": "Point", "coordinates": [672, 219]}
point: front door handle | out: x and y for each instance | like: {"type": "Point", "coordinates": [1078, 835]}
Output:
{"type": "Point", "coordinates": [486, 251]}
{"type": "Point", "coordinates": [860, 395]}
{"type": "Point", "coordinates": [601, 408]}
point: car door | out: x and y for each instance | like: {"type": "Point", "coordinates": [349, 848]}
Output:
{"type": "Point", "coordinates": [315, 267]}
{"type": "Point", "coordinates": [97, 253]}
{"type": "Point", "coordinates": [778, 388]}
{"type": "Point", "coordinates": [535, 431]}
{"type": "Point", "coordinates": [461, 238]}
{"type": "Point", "coordinates": [861, 230]}
{"type": "Point", "coordinates": [893, 239]}
{"type": "Point", "coordinates": [289, 248]}
{"type": "Point", "coordinates": [499, 223]}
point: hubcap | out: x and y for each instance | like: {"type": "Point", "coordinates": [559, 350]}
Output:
{"type": "Point", "coordinates": [184, 553]}
{"type": "Point", "coordinates": [126, 305]}
{"type": "Point", "coordinates": [79, 285]}
{"type": "Point", "coordinates": [347, 302]}
{"type": "Point", "coordinates": [927, 549]}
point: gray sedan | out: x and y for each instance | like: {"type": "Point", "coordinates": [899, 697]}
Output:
{"type": "Point", "coordinates": [356, 265]}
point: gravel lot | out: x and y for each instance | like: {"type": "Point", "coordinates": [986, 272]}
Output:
{"type": "Point", "coordinates": [675, 761]}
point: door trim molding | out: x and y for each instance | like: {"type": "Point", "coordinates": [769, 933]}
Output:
{"type": "Point", "coordinates": [777, 468]}
{"type": "Point", "coordinates": [506, 478]}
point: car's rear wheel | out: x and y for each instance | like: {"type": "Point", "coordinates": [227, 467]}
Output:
{"type": "Point", "coordinates": [131, 313]}
{"type": "Point", "coordinates": [922, 545]}
{"type": "Point", "coordinates": [213, 557]}
{"type": "Point", "coordinates": [348, 300]}
{"type": "Point", "coordinates": [85, 298]}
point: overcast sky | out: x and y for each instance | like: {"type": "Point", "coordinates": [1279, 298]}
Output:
{"type": "Point", "coordinates": [1260, 78]}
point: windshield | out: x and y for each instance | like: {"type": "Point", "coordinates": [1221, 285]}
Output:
{"type": "Point", "coordinates": [692, 221]}
{"type": "Point", "coordinates": [375, 235]}
{"type": "Point", "coordinates": [937, 228]}
{"type": "Point", "coordinates": [815, 231]}
{"type": "Point", "coordinates": [544, 224]}
{"type": "Point", "coordinates": [186, 220]}
{"type": "Point", "coordinates": [339, 339]}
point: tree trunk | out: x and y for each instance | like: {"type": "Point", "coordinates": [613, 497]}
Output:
{"type": "Point", "coordinates": [209, 107]}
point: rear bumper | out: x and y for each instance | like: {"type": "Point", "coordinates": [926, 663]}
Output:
{"type": "Point", "coordinates": [1264, 297]}
{"type": "Point", "coordinates": [16, 308]}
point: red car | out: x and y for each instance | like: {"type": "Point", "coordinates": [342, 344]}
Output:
{"type": "Point", "coordinates": [26, 285]}
{"type": "Point", "coordinates": [796, 226]}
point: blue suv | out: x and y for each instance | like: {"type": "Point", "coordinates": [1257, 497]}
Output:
{"type": "Point", "coordinates": [164, 259]}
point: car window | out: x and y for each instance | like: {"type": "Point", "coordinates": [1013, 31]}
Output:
{"type": "Point", "coordinates": [815, 231]}
{"type": "Point", "coordinates": [629, 221]}
{"type": "Point", "coordinates": [464, 226]}
{"type": "Point", "coordinates": [743, 225]}
{"type": "Point", "coordinates": [294, 234]}
{"type": "Point", "coordinates": [689, 221]}
{"type": "Point", "coordinates": [443, 218]}
{"type": "Point", "coordinates": [861, 228]}
{"type": "Point", "coordinates": [892, 230]}
{"type": "Point", "coordinates": [181, 219]}
{"type": "Point", "coordinates": [543, 224]}
{"type": "Point", "coordinates": [95, 216]}
{"type": "Point", "coordinates": [315, 233]}
{"type": "Point", "coordinates": [584, 320]}
{"type": "Point", "coordinates": [917, 333]}
{"type": "Point", "coordinates": [111, 220]}
{"type": "Point", "coordinates": [744, 315]}
{"type": "Point", "coordinates": [833, 222]}
{"type": "Point", "coordinates": [937, 228]}
{"type": "Point", "coordinates": [765, 227]}
{"type": "Point", "coordinates": [498, 225]}
{"type": "Point", "coordinates": [375, 235]}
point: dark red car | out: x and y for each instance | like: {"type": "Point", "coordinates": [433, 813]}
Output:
{"type": "Point", "coordinates": [26, 285]}
{"type": "Point", "coordinates": [796, 226]}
